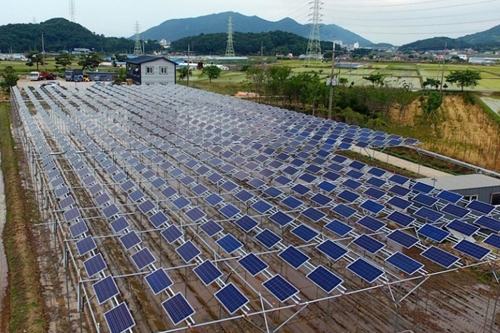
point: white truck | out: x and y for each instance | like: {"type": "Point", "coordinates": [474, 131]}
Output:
{"type": "Point", "coordinates": [34, 76]}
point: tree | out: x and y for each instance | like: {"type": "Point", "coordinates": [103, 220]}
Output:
{"type": "Point", "coordinates": [343, 81]}
{"type": "Point", "coordinates": [432, 104]}
{"type": "Point", "coordinates": [90, 60]}
{"type": "Point", "coordinates": [9, 79]}
{"type": "Point", "coordinates": [212, 72]}
{"type": "Point", "coordinates": [34, 57]}
{"type": "Point", "coordinates": [467, 78]}
{"type": "Point", "coordinates": [430, 82]}
{"type": "Point", "coordinates": [64, 60]}
{"type": "Point", "coordinates": [183, 72]}
{"type": "Point", "coordinates": [375, 79]}
{"type": "Point", "coordinates": [121, 76]}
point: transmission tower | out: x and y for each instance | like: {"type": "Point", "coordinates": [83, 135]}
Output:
{"type": "Point", "coordinates": [229, 46]}
{"type": "Point", "coordinates": [314, 46]}
{"type": "Point", "coordinates": [137, 46]}
{"type": "Point", "coordinates": [72, 10]}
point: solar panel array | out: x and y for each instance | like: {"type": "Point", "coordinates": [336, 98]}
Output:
{"type": "Point", "coordinates": [208, 178]}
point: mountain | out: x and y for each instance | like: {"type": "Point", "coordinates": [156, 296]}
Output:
{"type": "Point", "coordinates": [174, 29]}
{"type": "Point", "coordinates": [481, 41]}
{"type": "Point", "coordinates": [59, 34]}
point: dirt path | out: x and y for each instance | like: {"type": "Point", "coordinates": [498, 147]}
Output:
{"type": "Point", "coordinates": [3, 260]}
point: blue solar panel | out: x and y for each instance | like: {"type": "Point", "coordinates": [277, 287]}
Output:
{"type": "Point", "coordinates": [188, 251]}
{"type": "Point", "coordinates": [178, 308]}
{"type": "Point", "coordinates": [253, 264]}
{"type": "Point", "coordinates": [348, 196]}
{"type": "Point", "coordinates": [368, 243]}
{"type": "Point", "coordinates": [231, 298]}
{"type": "Point", "coordinates": [119, 224]}
{"type": "Point", "coordinates": [158, 219]}
{"type": "Point", "coordinates": [488, 223]}
{"type": "Point", "coordinates": [94, 265]}
{"type": "Point", "coordinates": [105, 289]}
{"type": "Point", "coordinates": [332, 249]}
{"type": "Point", "coordinates": [229, 243]}
{"type": "Point", "coordinates": [421, 187]}
{"type": "Point", "coordinates": [143, 258]}
{"type": "Point", "coordinates": [377, 182]}
{"type": "Point", "coordinates": [85, 245]}
{"type": "Point", "coordinates": [273, 192]}
{"type": "Point", "coordinates": [171, 234]}
{"type": "Point", "coordinates": [324, 279]}
{"type": "Point", "coordinates": [374, 193]}
{"type": "Point", "coordinates": [291, 202]}
{"type": "Point", "coordinates": [429, 215]}
{"type": "Point", "coordinates": [352, 184]}
{"type": "Point", "coordinates": [398, 179]}
{"type": "Point", "coordinates": [304, 232]}
{"type": "Point", "coordinates": [246, 223]}
{"type": "Point", "coordinates": [300, 189]}
{"type": "Point", "coordinates": [136, 195]}
{"type": "Point", "coordinates": [195, 214]}
{"type": "Point", "coordinates": [313, 214]}
{"type": "Point", "coordinates": [371, 223]}
{"type": "Point", "coordinates": [268, 238]}
{"type": "Point", "coordinates": [78, 229]}
{"type": "Point", "coordinates": [327, 186]}
{"type": "Point", "coordinates": [262, 206]}
{"type": "Point", "coordinates": [493, 240]}
{"type": "Point", "coordinates": [280, 288]}
{"type": "Point", "coordinates": [72, 214]}
{"type": "Point", "coordinates": [399, 190]}
{"type": "Point", "coordinates": [129, 240]}
{"type": "Point", "coordinates": [424, 199]}
{"type": "Point", "coordinates": [207, 272]}
{"type": "Point", "coordinates": [357, 165]}
{"type": "Point", "coordinates": [282, 180]}
{"type": "Point", "coordinates": [331, 176]}
{"type": "Point", "coordinates": [229, 211]}
{"type": "Point", "coordinates": [434, 233]}
{"type": "Point", "coordinates": [281, 218]}
{"type": "Point", "coordinates": [372, 206]}
{"type": "Point", "coordinates": [339, 228]}
{"type": "Point", "coordinates": [439, 256]}
{"type": "Point", "coordinates": [365, 270]}
{"type": "Point", "coordinates": [158, 281]}
{"type": "Point", "coordinates": [480, 207]}
{"type": "Point", "coordinates": [455, 210]}
{"type": "Point", "coordinates": [321, 199]}
{"type": "Point", "coordinates": [228, 186]}
{"type": "Point", "coordinates": [293, 257]}
{"type": "Point", "coordinates": [376, 172]}
{"type": "Point", "coordinates": [462, 227]}
{"type": "Point", "coordinates": [344, 210]}
{"type": "Point", "coordinates": [119, 319]}
{"type": "Point", "coordinates": [213, 199]}
{"type": "Point", "coordinates": [404, 263]}
{"type": "Point", "coordinates": [401, 219]}
{"type": "Point", "coordinates": [168, 192]}
{"type": "Point", "coordinates": [211, 228]}
{"type": "Point", "coordinates": [472, 249]}
{"type": "Point", "coordinates": [402, 238]}
{"type": "Point", "coordinates": [181, 202]}
{"type": "Point", "coordinates": [399, 203]}
{"type": "Point", "coordinates": [449, 196]}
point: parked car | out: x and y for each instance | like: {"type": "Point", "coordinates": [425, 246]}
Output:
{"type": "Point", "coordinates": [34, 76]}
{"type": "Point", "coordinates": [47, 76]}
{"type": "Point", "coordinates": [51, 83]}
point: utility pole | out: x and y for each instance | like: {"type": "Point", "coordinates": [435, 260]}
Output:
{"type": "Point", "coordinates": [43, 53]}
{"type": "Point", "coordinates": [442, 69]}
{"type": "Point", "coordinates": [189, 68]}
{"type": "Point", "coordinates": [330, 101]}
{"type": "Point", "coordinates": [261, 54]}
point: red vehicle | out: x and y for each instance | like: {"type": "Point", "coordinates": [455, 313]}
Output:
{"type": "Point", "coordinates": [47, 76]}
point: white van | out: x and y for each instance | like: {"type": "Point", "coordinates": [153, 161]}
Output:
{"type": "Point", "coordinates": [34, 76]}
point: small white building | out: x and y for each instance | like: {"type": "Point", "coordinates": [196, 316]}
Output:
{"type": "Point", "coordinates": [151, 70]}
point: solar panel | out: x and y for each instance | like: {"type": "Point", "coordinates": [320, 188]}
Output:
{"type": "Point", "coordinates": [304, 232]}
{"type": "Point", "coordinates": [246, 223]}
{"type": "Point", "coordinates": [211, 228]}
{"type": "Point", "coordinates": [188, 251]}
{"type": "Point", "coordinates": [177, 308]}
{"type": "Point", "coordinates": [374, 193]}
{"type": "Point", "coordinates": [130, 240]}
{"type": "Point", "coordinates": [195, 214]}
{"type": "Point", "coordinates": [377, 172]}
{"type": "Point", "coordinates": [158, 281]}
{"type": "Point", "coordinates": [331, 176]}
{"type": "Point", "coordinates": [455, 210]}
{"type": "Point", "coordinates": [425, 200]}
{"type": "Point", "coordinates": [402, 238]}
{"type": "Point", "coordinates": [368, 243]}
{"type": "Point", "coordinates": [136, 195]}
{"type": "Point", "coordinates": [332, 249]}
{"type": "Point", "coordinates": [348, 196]}
{"type": "Point", "coordinates": [493, 240]}
{"type": "Point", "coordinates": [94, 265]}
{"type": "Point", "coordinates": [472, 249]}
{"type": "Point", "coordinates": [401, 219]}
{"type": "Point", "coordinates": [281, 218]}
{"type": "Point", "coordinates": [268, 238]}
{"type": "Point", "coordinates": [313, 214]}
{"type": "Point", "coordinates": [321, 199]}
{"type": "Point", "coordinates": [294, 257]}
{"type": "Point", "coordinates": [462, 227]}
{"type": "Point", "coordinates": [339, 228]}
{"type": "Point", "coordinates": [434, 233]}
{"type": "Point", "coordinates": [365, 270]}
{"type": "Point", "coordinates": [105, 289]}
{"type": "Point", "coordinates": [398, 179]}
{"type": "Point", "coordinates": [439, 256]}
{"type": "Point", "coordinates": [158, 219]}
{"type": "Point", "coordinates": [421, 187]}
{"type": "Point", "coordinates": [72, 214]}
{"type": "Point", "coordinates": [429, 215]}
{"type": "Point", "coordinates": [372, 206]}
{"type": "Point", "coordinates": [229, 211]}
{"type": "Point", "coordinates": [377, 182]}
{"type": "Point", "coordinates": [229, 243]}
{"type": "Point", "coordinates": [280, 288]}
{"type": "Point", "coordinates": [231, 298]}
{"type": "Point", "coordinates": [171, 234]}
{"type": "Point", "coordinates": [344, 210]}
{"type": "Point", "coordinates": [324, 279]}
{"type": "Point", "coordinates": [352, 184]}
{"type": "Point", "coordinates": [488, 223]}
{"type": "Point", "coordinates": [143, 258]}
{"type": "Point", "coordinates": [207, 272]}
{"type": "Point", "coordinates": [119, 319]}
{"type": "Point", "coordinates": [78, 229]}
{"type": "Point", "coordinates": [273, 192]}
{"type": "Point", "coordinates": [291, 202]}
{"type": "Point", "coordinates": [371, 223]}
{"type": "Point", "coordinates": [449, 196]}
{"type": "Point", "coordinates": [327, 186]}
{"type": "Point", "coordinates": [404, 263]}
{"type": "Point", "coordinates": [119, 224]}
{"type": "Point", "coordinates": [262, 206]}
{"type": "Point", "coordinates": [300, 189]}
{"type": "Point", "coordinates": [399, 203]}
{"type": "Point", "coordinates": [213, 199]}
{"type": "Point", "coordinates": [181, 202]}
{"type": "Point", "coordinates": [110, 211]}
{"type": "Point", "coordinates": [399, 190]}
{"type": "Point", "coordinates": [253, 264]}
{"type": "Point", "coordinates": [480, 207]}
{"type": "Point", "coordinates": [66, 202]}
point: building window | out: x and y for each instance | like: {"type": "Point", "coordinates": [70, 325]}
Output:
{"type": "Point", "coordinates": [495, 199]}
{"type": "Point", "coordinates": [150, 70]}
{"type": "Point", "coordinates": [163, 70]}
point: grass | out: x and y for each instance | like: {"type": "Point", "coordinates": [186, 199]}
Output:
{"type": "Point", "coordinates": [25, 309]}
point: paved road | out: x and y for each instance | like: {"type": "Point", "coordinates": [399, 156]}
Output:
{"type": "Point", "coordinates": [493, 103]}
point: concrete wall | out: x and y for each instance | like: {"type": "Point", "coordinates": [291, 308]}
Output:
{"type": "Point", "coordinates": [156, 77]}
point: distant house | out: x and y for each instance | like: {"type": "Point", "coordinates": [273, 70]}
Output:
{"type": "Point", "coordinates": [151, 70]}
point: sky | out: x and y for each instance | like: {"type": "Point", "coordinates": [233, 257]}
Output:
{"type": "Point", "coordinates": [393, 21]}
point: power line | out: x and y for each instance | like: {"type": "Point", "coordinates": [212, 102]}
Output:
{"type": "Point", "coordinates": [137, 45]}
{"type": "Point", "coordinates": [229, 46]}
{"type": "Point", "coordinates": [314, 44]}
{"type": "Point", "coordinates": [72, 10]}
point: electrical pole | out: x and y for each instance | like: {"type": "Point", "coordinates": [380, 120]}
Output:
{"type": "Point", "coordinates": [442, 70]}
{"type": "Point", "coordinates": [330, 101]}
{"type": "Point", "coordinates": [189, 68]}
{"type": "Point", "coordinates": [43, 54]}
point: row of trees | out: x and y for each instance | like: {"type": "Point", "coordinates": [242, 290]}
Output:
{"type": "Point", "coordinates": [89, 60]}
